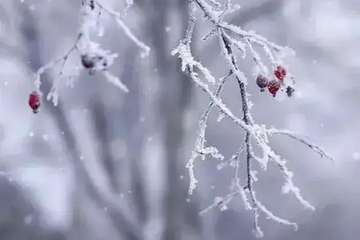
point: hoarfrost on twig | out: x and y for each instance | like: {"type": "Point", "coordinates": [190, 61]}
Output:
{"type": "Point", "coordinates": [92, 56]}
{"type": "Point", "coordinates": [230, 36]}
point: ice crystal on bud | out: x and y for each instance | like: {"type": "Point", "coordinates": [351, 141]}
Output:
{"type": "Point", "coordinates": [221, 116]}
{"type": "Point", "coordinates": [258, 233]}
{"type": "Point", "coordinates": [211, 152]}
{"type": "Point", "coordinates": [223, 207]}
{"type": "Point", "coordinates": [253, 175]}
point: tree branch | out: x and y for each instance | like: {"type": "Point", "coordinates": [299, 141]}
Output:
{"type": "Point", "coordinates": [226, 34]}
{"type": "Point", "coordinates": [123, 223]}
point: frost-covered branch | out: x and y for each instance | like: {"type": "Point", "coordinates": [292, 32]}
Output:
{"type": "Point", "coordinates": [232, 37]}
{"type": "Point", "coordinates": [297, 137]}
{"type": "Point", "coordinates": [91, 55]}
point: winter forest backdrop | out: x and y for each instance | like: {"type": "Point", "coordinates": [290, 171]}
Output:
{"type": "Point", "coordinates": [135, 145]}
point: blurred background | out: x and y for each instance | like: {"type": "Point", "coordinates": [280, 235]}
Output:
{"type": "Point", "coordinates": [109, 165]}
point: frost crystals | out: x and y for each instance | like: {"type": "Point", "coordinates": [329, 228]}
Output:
{"type": "Point", "coordinates": [231, 38]}
{"type": "Point", "coordinates": [92, 56]}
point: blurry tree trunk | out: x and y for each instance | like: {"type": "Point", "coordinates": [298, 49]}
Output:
{"type": "Point", "coordinates": [134, 133]}
{"type": "Point", "coordinates": [180, 217]}
{"type": "Point", "coordinates": [114, 123]}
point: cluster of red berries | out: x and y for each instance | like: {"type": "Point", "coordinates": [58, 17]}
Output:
{"type": "Point", "coordinates": [274, 85]}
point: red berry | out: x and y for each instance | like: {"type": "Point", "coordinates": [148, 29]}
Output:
{"type": "Point", "coordinates": [87, 62]}
{"type": "Point", "coordinates": [280, 72]}
{"type": "Point", "coordinates": [34, 101]}
{"type": "Point", "coordinates": [262, 82]}
{"type": "Point", "coordinates": [273, 87]}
